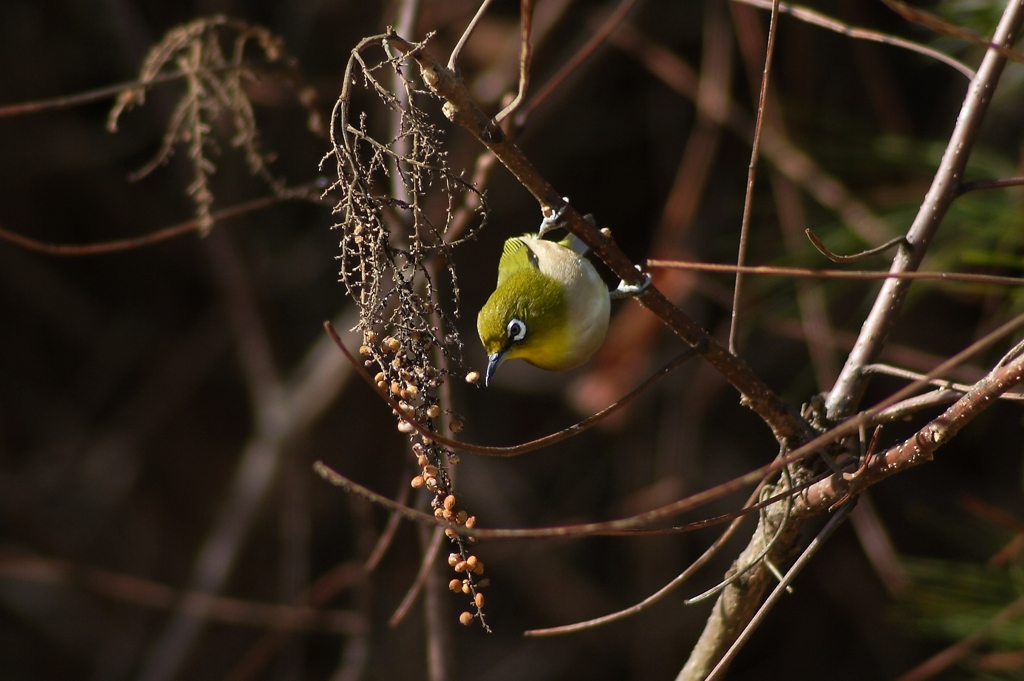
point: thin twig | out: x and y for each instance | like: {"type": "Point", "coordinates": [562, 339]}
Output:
{"type": "Point", "coordinates": [897, 241]}
{"type": "Point", "coordinates": [430, 550]}
{"type": "Point", "coordinates": [524, 448]}
{"type": "Point", "coordinates": [978, 185]}
{"type": "Point", "coordinates": [595, 41]}
{"type": "Point", "coordinates": [777, 149]}
{"type": "Point", "coordinates": [952, 277]}
{"type": "Point", "coordinates": [525, 55]}
{"type": "Point", "coordinates": [149, 594]}
{"type": "Point", "coordinates": [939, 383]}
{"type": "Point", "coordinates": [823, 20]}
{"type": "Point", "coordinates": [388, 533]}
{"type": "Point", "coordinates": [304, 192]}
{"type": "Point", "coordinates": [109, 91]}
{"type": "Point", "coordinates": [453, 60]}
{"type": "Point", "coordinates": [658, 595]}
{"type": "Point", "coordinates": [748, 199]}
{"type": "Point", "coordinates": [935, 23]}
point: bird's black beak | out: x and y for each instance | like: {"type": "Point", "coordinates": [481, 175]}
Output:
{"type": "Point", "coordinates": [493, 362]}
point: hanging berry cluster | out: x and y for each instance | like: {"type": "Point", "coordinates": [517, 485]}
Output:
{"type": "Point", "coordinates": [398, 200]}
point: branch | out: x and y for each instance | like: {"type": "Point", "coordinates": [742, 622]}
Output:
{"type": "Point", "coordinates": [460, 108]}
{"type": "Point", "coordinates": [842, 400]}
{"type": "Point", "coordinates": [149, 594]}
{"type": "Point", "coordinates": [917, 449]}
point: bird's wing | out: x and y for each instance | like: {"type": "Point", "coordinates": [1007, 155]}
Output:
{"type": "Point", "coordinates": [515, 255]}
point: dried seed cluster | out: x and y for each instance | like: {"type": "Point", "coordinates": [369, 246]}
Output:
{"type": "Point", "coordinates": [393, 252]}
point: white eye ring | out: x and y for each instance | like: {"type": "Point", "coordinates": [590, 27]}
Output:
{"type": "Point", "coordinates": [516, 330]}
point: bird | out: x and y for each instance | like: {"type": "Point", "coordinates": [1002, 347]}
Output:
{"type": "Point", "coordinates": [550, 306]}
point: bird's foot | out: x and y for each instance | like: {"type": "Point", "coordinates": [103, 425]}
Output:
{"type": "Point", "coordinates": [625, 290]}
{"type": "Point", "coordinates": [554, 221]}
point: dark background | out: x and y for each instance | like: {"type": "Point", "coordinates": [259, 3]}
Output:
{"type": "Point", "coordinates": [125, 410]}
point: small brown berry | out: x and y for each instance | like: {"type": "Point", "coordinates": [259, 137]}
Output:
{"type": "Point", "coordinates": [417, 482]}
{"type": "Point", "coordinates": [455, 586]}
{"type": "Point", "coordinates": [461, 517]}
{"type": "Point", "coordinates": [417, 449]}
{"type": "Point", "coordinates": [460, 566]}
{"type": "Point", "coordinates": [393, 344]}
{"type": "Point", "coordinates": [438, 513]}
{"type": "Point", "coordinates": [422, 460]}
{"type": "Point", "coordinates": [413, 391]}
{"type": "Point", "coordinates": [395, 364]}
{"type": "Point", "coordinates": [456, 426]}
{"type": "Point", "coordinates": [450, 533]}
{"type": "Point", "coordinates": [471, 522]}
{"type": "Point", "coordinates": [385, 345]}
{"type": "Point", "coordinates": [406, 409]}
{"type": "Point", "coordinates": [445, 513]}
{"type": "Point", "coordinates": [449, 502]}
{"type": "Point", "coordinates": [379, 377]}
{"type": "Point", "coordinates": [466, 588]}
{"type": "Point", "coordinates": [382, 385]}
{"type": "Point", "coordinates": [430, 471]}
{"type": "Point", "coordinates": [479, 569]}
{"type": "Point", "coordinates": [472, 377]}
{"type": "Point", "coordinates": [365, 350]}
{"type": "Point", "coordinates": [405, 427]}
{"type": "Point", "coordinates": [433, 411]}
{"type": "Point", "coordinates": [453, 558]}
{"type": "Point", "coordinates": [431, 484]}
{"type": "Point", "coordinates": [404, 394]}
{"type": "Point", "coordinates": [453, 459]}
{"type": "Point", "coordinates": [466, 618]}
{"type": "Point", "coordinates": [472, 562]}
{"type": "Point", "coordinates": [395, 388]}
{"type": "Point", "coordinates": [478, 600]}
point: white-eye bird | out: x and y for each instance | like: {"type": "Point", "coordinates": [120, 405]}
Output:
{"type": "Point", "coordinates": [550, 307]}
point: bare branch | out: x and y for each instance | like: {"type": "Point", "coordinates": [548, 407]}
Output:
{"type": "Point", "coordinates": [149, 594]}
{"type": "Point", "coordinates": [818, 19]}
{"type": "Point", "coordinates": [803, 272]}
{"type": "Point", "coordinates": [748, 199]}
{"type": "Point", "coordinates": [897, 241]}
{"type": "Point", "coordinates": [525, 55]}
{"type": "Point", "coordinates": [850, 386]}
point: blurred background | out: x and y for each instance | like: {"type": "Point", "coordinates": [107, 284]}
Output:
{"type": "Point", "coordinates": [161, 407]}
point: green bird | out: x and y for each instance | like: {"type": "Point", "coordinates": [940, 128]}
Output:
{"type": "Point", "coordinates": [550, 307]}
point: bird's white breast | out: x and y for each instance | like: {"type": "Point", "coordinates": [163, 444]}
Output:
{"type": "Point", "coordinates": [586, 293]}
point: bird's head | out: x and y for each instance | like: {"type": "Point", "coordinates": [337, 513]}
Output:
{"type": "Point", "coordinates": [525, 318]}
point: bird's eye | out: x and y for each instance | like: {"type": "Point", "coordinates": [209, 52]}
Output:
{"type": "Point", "coordinates": [516, 330]}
